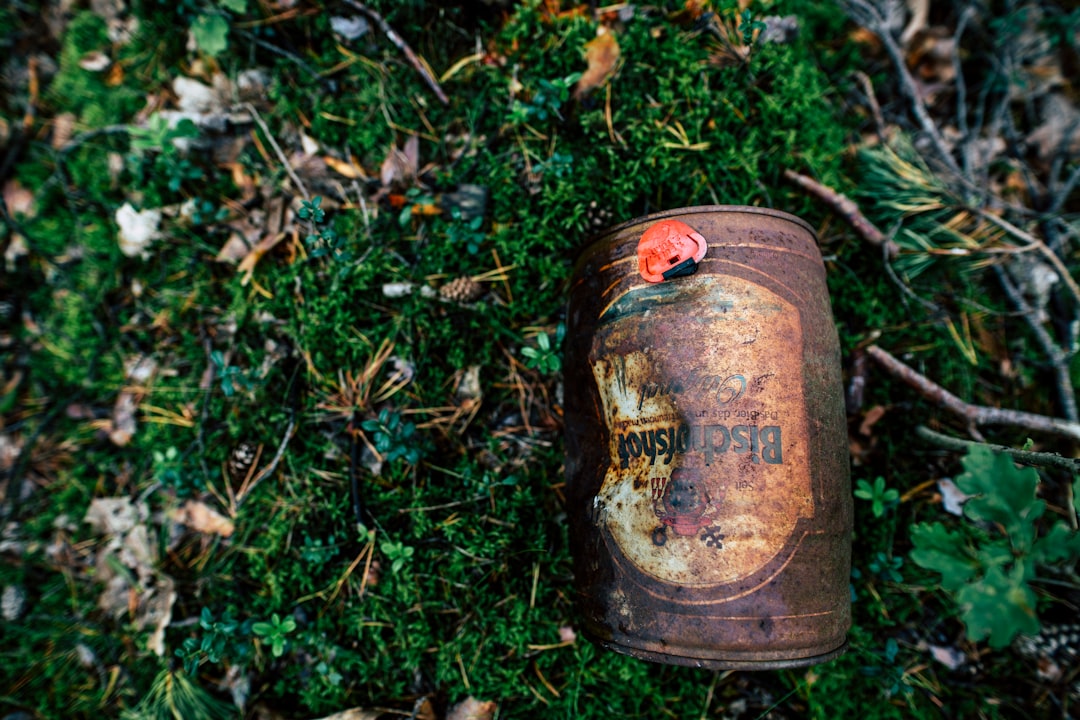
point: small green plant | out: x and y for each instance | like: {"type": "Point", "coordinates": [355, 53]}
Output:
{"type": "Point", "coordinates": [886, 567]}
{"type": "Point", "coordinates": [398, 553]}
{"type": "Point", "coordinates": [394, 438]}
{"type": "Point", "coordinates": [545, 102]}
{"type": "Point", "coordinates": [217, 637]}
{"type": "Point", "coordinates": [154, 151]}
{"type": "Point", "coordinates": [748, 26]}
{"type": "Point", "coordinates": [545, 358]}
{"type": "Point", "coordinates": [231, 376]}
{"type": "Point", "coordinates": [988, 565]}
{"type": "Point", "coordinates": [321, 242]}
{"type": "Point", "coordinates": [881, 498]}
{"type": "Point", "coordinates": [558, 165]}
{"type": "Point", "coordinates": [318, 551]}
{"type": "Point", "coordinates": [466, 233]}
{"type": "Point", "coordinates": [275, 632]}
{"type": "Point", "coordinates": [210, 28]}
{"type": "Point", "coordinates": [205, 212]}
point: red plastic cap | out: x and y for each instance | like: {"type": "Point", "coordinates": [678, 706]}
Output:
{"type": "Point", "coordinates": [667, 245]}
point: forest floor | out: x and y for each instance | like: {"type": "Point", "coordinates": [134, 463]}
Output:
{"type": "Point", "coordinates": [282, 310]}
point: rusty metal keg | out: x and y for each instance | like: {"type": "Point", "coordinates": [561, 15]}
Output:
{"type": "Point", "coordinates": [708, 484]}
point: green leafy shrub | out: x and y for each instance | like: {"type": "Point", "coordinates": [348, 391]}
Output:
{"type": "Point", "coordinates": [989, 564]}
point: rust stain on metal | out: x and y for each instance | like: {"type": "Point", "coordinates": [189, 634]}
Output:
{"type": "Point", "coordinates": [706, 446]}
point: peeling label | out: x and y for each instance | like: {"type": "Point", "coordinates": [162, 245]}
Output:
{"type": "Point", "coordinates": [708, 473]}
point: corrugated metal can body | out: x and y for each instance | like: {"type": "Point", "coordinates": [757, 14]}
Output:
{"type": "Point", "coordinates": [707, 464]}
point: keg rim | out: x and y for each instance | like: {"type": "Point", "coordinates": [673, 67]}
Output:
{"type": "Point", "coordinates": [702, 209]}
{"type": "Point", "coordinates": [597, 242]}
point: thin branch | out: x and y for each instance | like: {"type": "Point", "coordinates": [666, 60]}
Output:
{"type": "Point", "coordinates": [871, 100]}
{"type": "Point", "coordinates": [847, 209]}
{"type": "Point", "coordinates": [975, 415]}
{"type": "Point", "coordinates": [393, 37]}
{"type": "Point", "coordinates": [277, 151]}
{"type": "Point", "coordinates": [1059, 359]}
{"type": "Point", "coordinates": [1040, 459]}
{"type": "Point", "coordinates": [1062, 193]}
{"type": "Point", "coordinates": [961, 92]}
{"type": "Point", "coordinates": [1039, 245]}
{"type": "Point", "coordinates": [295, 59]}
{"type": "Point", "coordinates": [269, 469]}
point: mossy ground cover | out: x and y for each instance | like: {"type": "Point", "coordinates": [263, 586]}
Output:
{"type": "Point", "coordinates": [336, 484]}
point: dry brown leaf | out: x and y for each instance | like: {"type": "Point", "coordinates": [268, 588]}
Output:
{"type": "Point", "coordinates": [63, 128]}
{"type": "Point", "coordinates": [114, 515]}
{"type": "Point", "coordinates": [401, 166]}
{"type": "Point", "coordinates": [472, 709]}
{"type": "Point", "coordinates": [94, 61]}
{"type": "Point", "coordinates": [931, 55]}
{"type": "Point", "coordinates": [234, 250]}
{"type": "Point", "coordinates": [412, 153]}
{"type": "Point", "coordinates": [691, 12]}
{"type": "Point", "coordinates": [115, 76]}
{"type": "Point", "coordinates": [247, 265]}
{"type": "Point", "coordinates": [155, 609]}
{"type": "Point", "coordinates": [870, 419]}
{"type": "Point", "coordinates": [202, 518]}
{"type": "Point", "coordinates": [19, 200]}
{"type": "Point", "coordinates": [16, 249]}
{"type": "Point", "coordinates": [345, 168]}
{"type": "Point", "coordinates": [244, 236]}
{"type": "Point", "coordinates": [122, 426]}
{"type": "Point", "coordinates": [950, 657]}
{"type": "Point", "coordinates": [602, 53]}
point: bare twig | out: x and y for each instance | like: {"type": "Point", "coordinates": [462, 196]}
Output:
{"type": "Point", "coordinates": [1059, 358]}
{"type": "Point", "coordinates": [1041, 459]}
{"type": "Point", "coordinates": [961, 92]}
{"type": "Point", "coordinates": [269, 469]}
{"type": "Point", "coordinates": [292, 57]}
{"type": "Point", "coordinates": [975, 415]}
{"type": "Point", "coordinates": [847, 209]}
{"type": "Point", "coordinates": [867, 15]}
{"type": "Point", "coordinates": [393, 37]}
{"type": "Point", "coordinates": [277, 151]}
{"type": "Point", "coordinates": [871, 100]}
{"type": "Point", "coordinates": [1064, 191]}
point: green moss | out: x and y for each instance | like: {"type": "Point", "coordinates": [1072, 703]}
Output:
{"type": "Point", "coordinates": [86, 93]}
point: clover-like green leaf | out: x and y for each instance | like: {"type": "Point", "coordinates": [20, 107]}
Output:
{"type": "Point", "coordinates": [946, 552]}
{"type": "Point", "coordinates": [1004, 494]}
{"type": "Point", "coordinates": [211, 33]}
{"type": "Point", "coordinates": [999, 606]}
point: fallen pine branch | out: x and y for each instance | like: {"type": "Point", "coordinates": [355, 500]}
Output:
{"type": "Point", "coordinates": [975, 415]}
{"type": "Point", "coordinates": [393, 37]}
{"type": "Point", "coordinates": [1040, 459]}
{"type": "Point", "coordinates": [847, 209]}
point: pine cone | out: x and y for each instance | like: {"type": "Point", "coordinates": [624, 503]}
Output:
{"type": "Point", "coordinates": [1057, 642]}
{"type": "Point", "coordinates": [241, 459]}
{"type": "Point", "coordinates": [598, 217]}
{"type": "Point", "coordinates": [461, 290]}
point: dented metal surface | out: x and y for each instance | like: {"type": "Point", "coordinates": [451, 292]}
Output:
{"type": "Point", "coordinates": [707, 466]}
